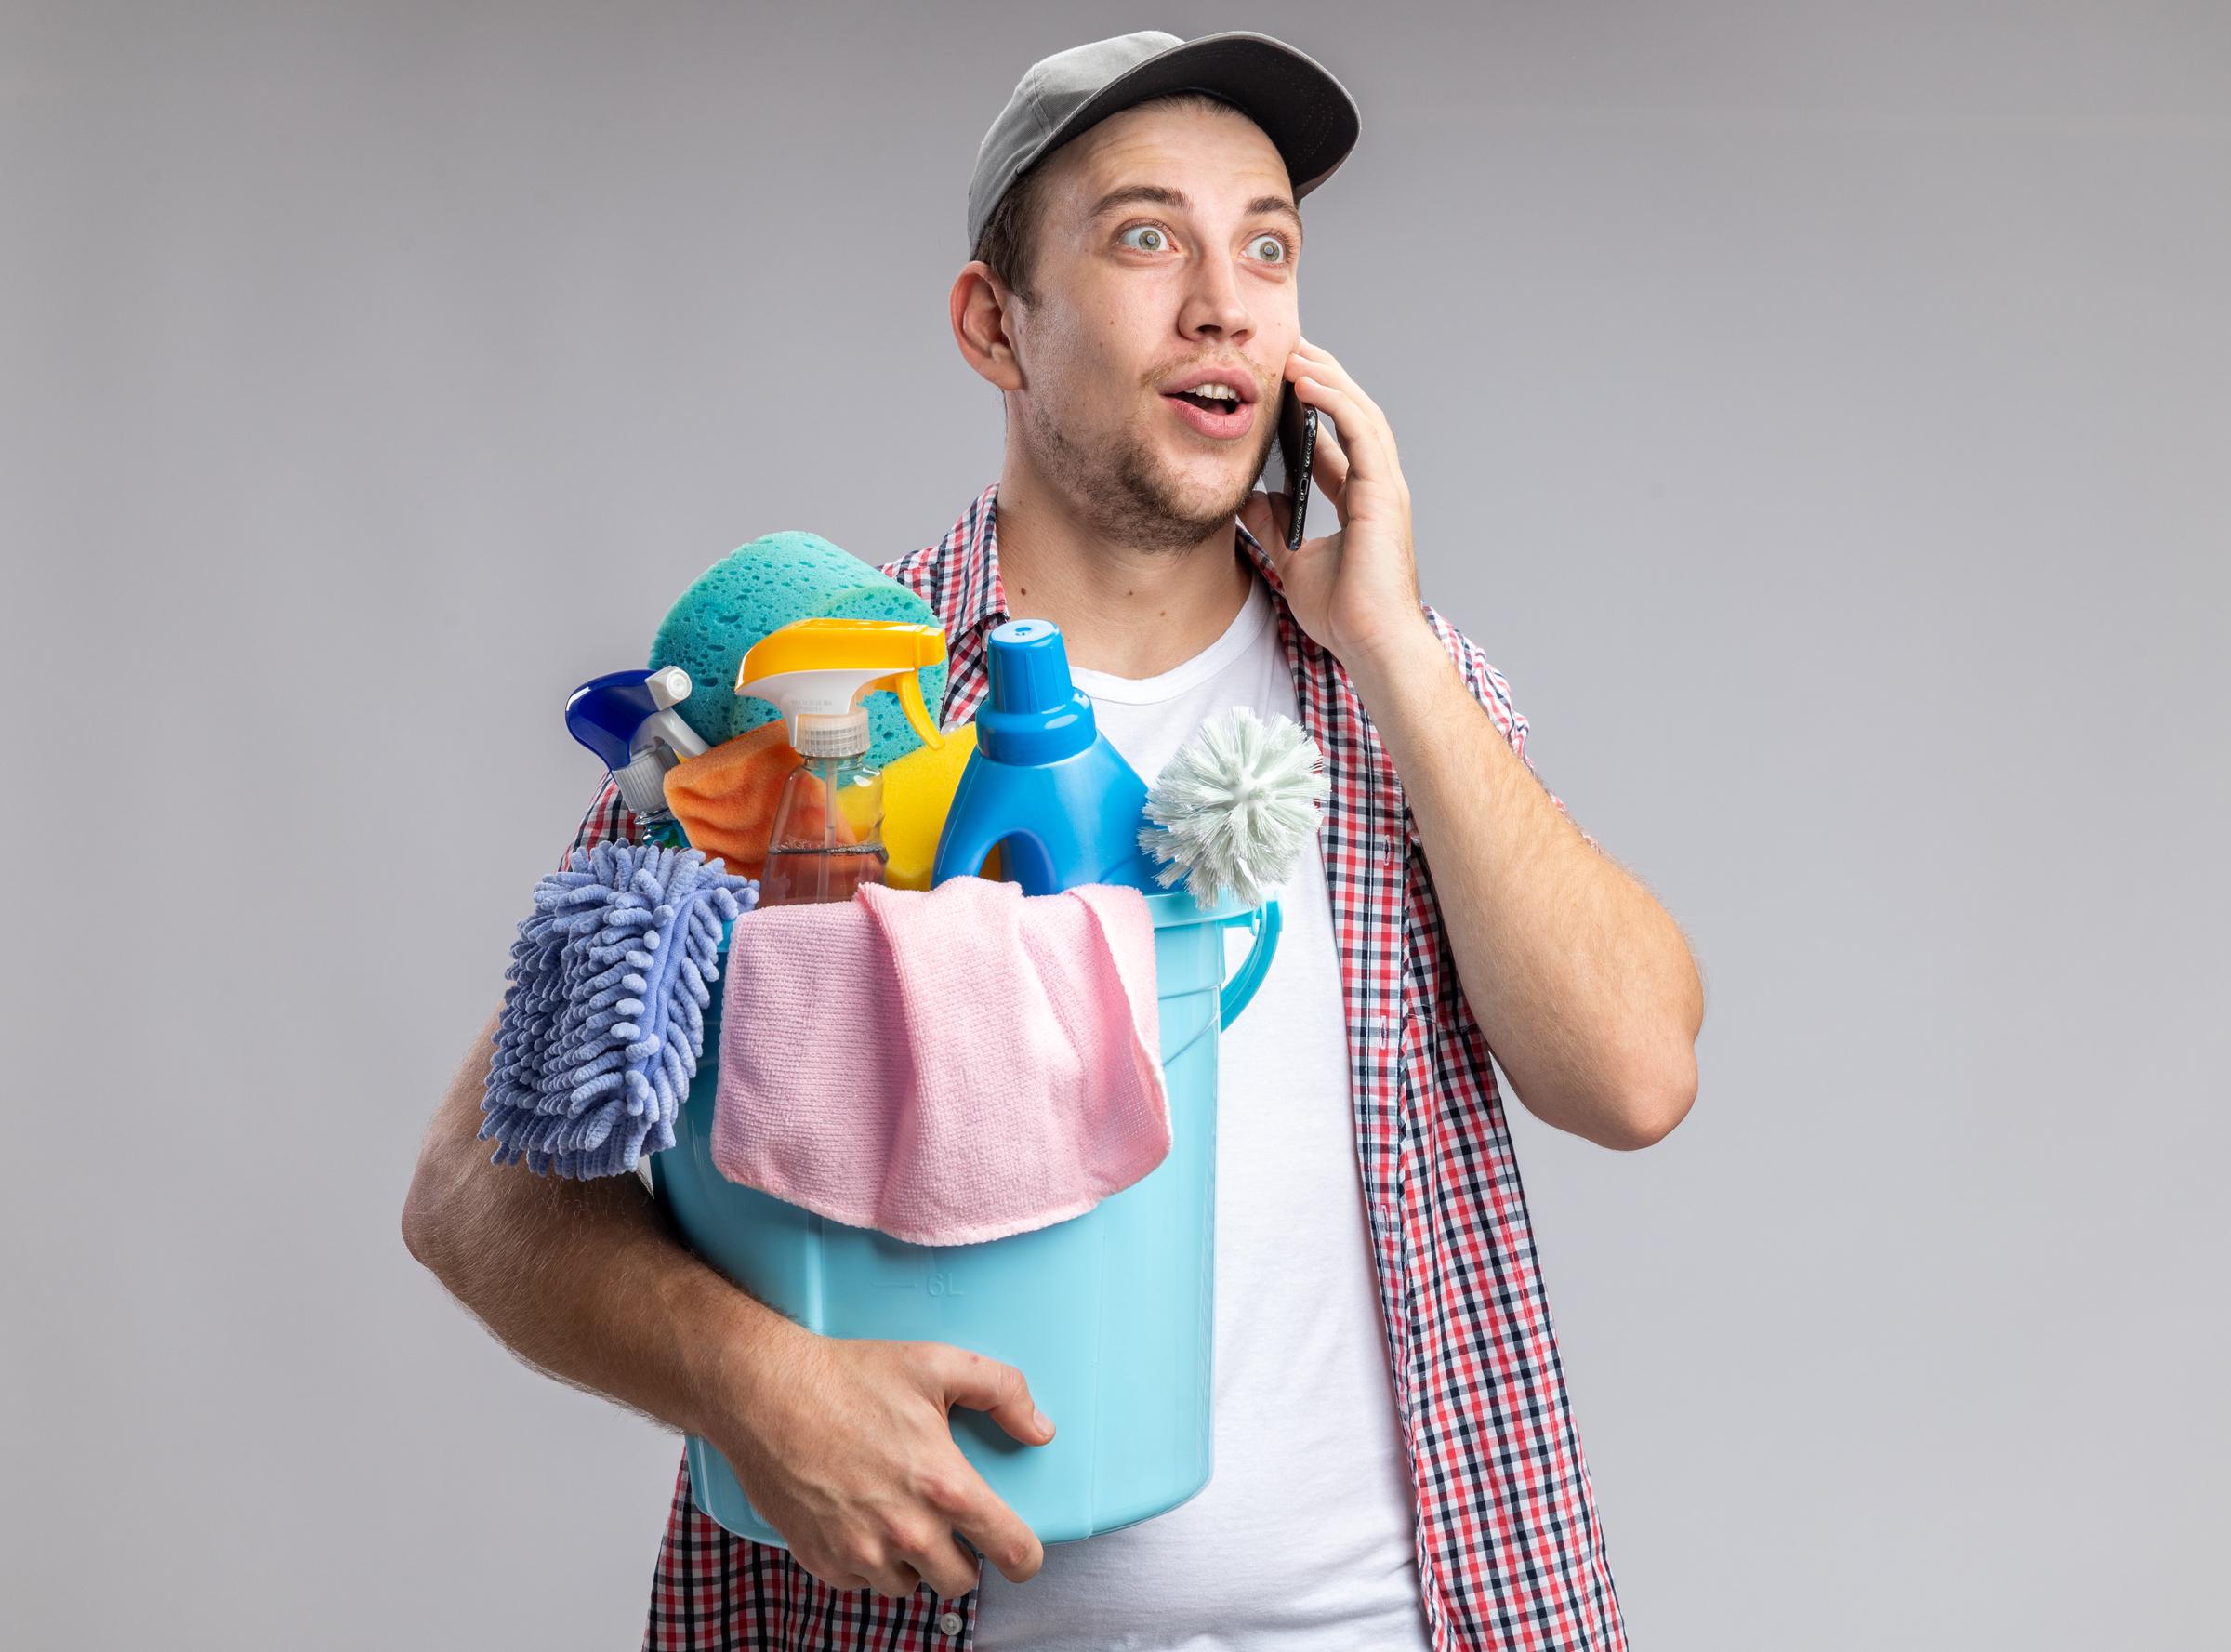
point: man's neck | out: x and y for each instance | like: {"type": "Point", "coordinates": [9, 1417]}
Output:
{"type": "Point", "coordinates": [1126, 612]}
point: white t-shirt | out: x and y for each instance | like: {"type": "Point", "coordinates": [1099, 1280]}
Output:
{"type": "Point", "coordinates": [1303, 1540]}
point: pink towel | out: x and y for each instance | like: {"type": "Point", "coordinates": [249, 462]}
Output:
{"type": "Point", "coordinates": [946, 1065]}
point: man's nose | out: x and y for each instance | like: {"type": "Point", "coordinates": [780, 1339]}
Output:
{"type": "Point", "coordinates": [1214, 303]}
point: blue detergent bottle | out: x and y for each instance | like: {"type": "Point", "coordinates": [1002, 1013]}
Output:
{"type": "Point", "coordinates": [1043, 784]}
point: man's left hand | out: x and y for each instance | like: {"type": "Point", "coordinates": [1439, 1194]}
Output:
{"type": "Point", "coordinates": [1354, 591]}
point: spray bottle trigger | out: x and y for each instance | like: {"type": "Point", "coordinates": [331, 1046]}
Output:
{"type": "Point", "coordinates": [907, 685]}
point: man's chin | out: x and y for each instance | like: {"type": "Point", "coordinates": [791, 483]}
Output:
{"type": "Point", "coordinates": [1154, 495]}
{"type": "Point", "coordinates": [1207, 495]}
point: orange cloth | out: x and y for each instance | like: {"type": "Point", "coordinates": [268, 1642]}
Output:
{"type": "Point", "coordinates": [725, 802]}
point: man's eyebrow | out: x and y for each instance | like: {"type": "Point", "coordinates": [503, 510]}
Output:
{"type": "Point", "coordinates": [1155, 194]}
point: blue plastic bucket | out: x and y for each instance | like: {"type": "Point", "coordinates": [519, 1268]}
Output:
{"type": "Point", "coordinates": [1110, 1315]}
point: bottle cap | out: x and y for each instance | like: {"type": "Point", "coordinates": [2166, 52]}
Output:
{"type": "Point", "coordinates": [643, 782]}
{"type": "Point", "coordinates": [1032, 712]}
{"type": "Point", "coordinates": [841, 734]}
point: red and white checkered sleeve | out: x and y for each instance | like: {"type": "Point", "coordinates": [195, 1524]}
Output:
{"type": "Point", "coordinates": [607, 819]}
{"type": "Point", "coordinates": [1494, 694]}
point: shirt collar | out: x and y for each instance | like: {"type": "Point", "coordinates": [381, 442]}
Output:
{"type": "Point", "coordinates": [981, 598]}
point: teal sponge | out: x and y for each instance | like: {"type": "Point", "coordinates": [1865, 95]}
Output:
{"type": "Point", "coordinates": [761, 587]}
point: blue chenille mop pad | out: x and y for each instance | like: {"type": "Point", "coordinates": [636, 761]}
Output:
{"type": "Point", "coordinates": [604, 1025]}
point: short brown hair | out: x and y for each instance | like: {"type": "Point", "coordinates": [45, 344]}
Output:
{"type": "Point", "coordinates": [1007, 240]}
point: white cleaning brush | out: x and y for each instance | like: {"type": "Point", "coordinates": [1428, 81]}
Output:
{"type": "Point", "coordinates": [1234, 806]}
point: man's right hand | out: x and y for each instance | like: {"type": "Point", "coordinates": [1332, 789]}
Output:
{"type": "Point", "coordinates": [845, 1446]}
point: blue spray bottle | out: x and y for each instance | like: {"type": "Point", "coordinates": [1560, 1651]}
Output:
{"type": "Point", "coordinates": [1043, 784]}
{"type": "Point", "coordinates": [628, 719]}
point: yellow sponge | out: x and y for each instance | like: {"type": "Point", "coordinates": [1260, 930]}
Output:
{"type": "Point", "coordinates": [917, 794]}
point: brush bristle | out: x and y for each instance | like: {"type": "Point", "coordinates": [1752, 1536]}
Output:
{"type": "Point", "coordinates": [1233, 809]}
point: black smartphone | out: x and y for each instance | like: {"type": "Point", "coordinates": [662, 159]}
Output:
{"type": "Point", "coordinates": [1286, 469]}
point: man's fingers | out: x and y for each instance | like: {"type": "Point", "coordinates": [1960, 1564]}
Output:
{"type": "Point", "coordinates": [1326, 368]}
{"type": "Point", "coordinates": [949, 1567]}
{"type": "Point", "coordinates": [1001, 1537]}
{"type": "Point", "coordinates": [983, 1384]}
{"type": "Point", "coordinates": [894, 1579]}
{"type": "Point", "coordinates": [1360, 443]}
{"type": "Point", "coordinates": [964, 1503]}
{"type": "Point", "coordinates": [1328, 467]}
{"type": "Point", "coordinates": [960, 1495]}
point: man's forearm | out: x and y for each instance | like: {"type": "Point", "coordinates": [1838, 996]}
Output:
{"type": "Point", "coordinates": [584, 1280]}
{"type": "Point", "coordinates": [1581, 982]}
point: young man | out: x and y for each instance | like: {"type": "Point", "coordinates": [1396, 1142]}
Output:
{"type": "Point", "coordinates": [1394, 1462]}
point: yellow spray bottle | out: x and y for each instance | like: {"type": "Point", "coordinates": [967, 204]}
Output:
{"type": "Point", "coordinates": [828, 837]}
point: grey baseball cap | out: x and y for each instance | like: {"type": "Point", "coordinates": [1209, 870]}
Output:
{"type": "Point", "coordinates": [1300, 108]}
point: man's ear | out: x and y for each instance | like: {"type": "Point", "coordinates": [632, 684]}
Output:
{"type": "Point", "coordinates": [982, 311]}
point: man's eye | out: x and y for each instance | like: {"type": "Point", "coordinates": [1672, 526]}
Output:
{"type": "Point", "coordinates": [1157, 243]}
{"type": "Point", "coordinates": [1278, 253]}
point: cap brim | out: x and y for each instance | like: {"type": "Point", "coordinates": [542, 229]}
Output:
{"type": "Point", "coordinates": [1307, 114]}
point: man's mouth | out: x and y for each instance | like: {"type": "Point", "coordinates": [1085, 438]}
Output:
{"type": "Point", "coordinates": [1213, 416]}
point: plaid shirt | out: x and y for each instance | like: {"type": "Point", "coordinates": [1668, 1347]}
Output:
{"type": "Point", "coordinates": [1509, 1550]}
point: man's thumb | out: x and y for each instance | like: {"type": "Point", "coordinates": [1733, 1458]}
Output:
{"type": "Point", "coordinates": [1264, 516]}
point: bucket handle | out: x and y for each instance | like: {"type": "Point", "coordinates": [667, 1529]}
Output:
{"type": "Point", "coordinates": [1265, 922]}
